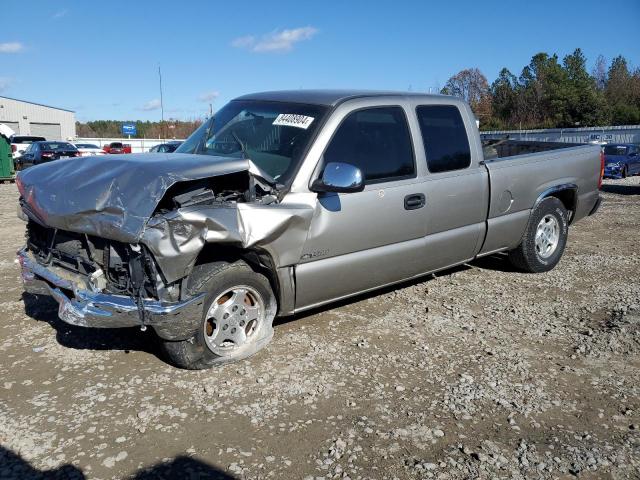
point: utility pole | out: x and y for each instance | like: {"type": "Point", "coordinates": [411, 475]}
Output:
{"type": "Point", "coordinates": [161, 104]}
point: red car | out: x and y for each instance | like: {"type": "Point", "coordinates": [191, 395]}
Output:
{"type": "Point", "coordinates": [117, 147]}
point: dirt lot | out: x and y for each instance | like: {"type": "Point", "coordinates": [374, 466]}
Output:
{"type": "Point", "coordinates": [479, 372]}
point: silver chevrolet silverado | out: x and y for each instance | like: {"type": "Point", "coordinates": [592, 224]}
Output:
{"type": "Point", "coordinates": [285, 201]}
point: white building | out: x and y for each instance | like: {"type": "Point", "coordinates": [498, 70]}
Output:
{"type": "Point", "coordinates": [28, 118]}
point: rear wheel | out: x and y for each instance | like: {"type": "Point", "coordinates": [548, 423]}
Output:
{"type": "Point", "coordinates": [545, 238]}
{"type": "Point", "coordinates": [237, 317]}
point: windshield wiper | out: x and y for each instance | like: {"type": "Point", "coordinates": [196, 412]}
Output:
{"type": "Point", "coordinates": [245, 155]}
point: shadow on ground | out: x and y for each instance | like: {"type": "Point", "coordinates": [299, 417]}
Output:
{"type": "Point", "coordinates": [622, 189]}
{"type": "Point", "coordinates": [44, 309]}
{"type": "Point", "coordinates": [14, 467]}
{"type": "Point", "coordinates": [498, 262]}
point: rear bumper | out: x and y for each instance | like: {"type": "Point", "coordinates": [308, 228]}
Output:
{"type": "Point", "coordinates": [80, 305]}
{"type": "Point", "coordinates": [596, 206]}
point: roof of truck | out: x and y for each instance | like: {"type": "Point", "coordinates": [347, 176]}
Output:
{"type": "Point", "coordinates": [327, 97]}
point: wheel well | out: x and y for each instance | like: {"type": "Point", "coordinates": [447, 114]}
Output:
{"type": "Point", "coordinates": [568, 196]}
{"type": "Point", "coordinates": [258, 260]}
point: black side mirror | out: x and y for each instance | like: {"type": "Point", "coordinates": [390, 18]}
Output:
{"type": "Point", "coordinates": [340, 178]}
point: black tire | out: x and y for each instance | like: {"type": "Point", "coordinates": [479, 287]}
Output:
{"type": "Point", "coordinates": [525, 256]}
{"type": "Point", "coordinates": [625, 172]}
{"type": "Point", "coordinates": [215, 279]}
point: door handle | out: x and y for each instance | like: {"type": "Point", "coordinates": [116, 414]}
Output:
{"type": "Point", "coordinates": [414, 201]}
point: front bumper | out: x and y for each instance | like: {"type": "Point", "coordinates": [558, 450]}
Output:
{"type": "Point", "coordinates": [80, 305]}
{"type": "Point", "coordinates": [612, 172]}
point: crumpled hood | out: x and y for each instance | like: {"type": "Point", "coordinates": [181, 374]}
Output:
{"type": "Point", "coordinates": [112, 197]}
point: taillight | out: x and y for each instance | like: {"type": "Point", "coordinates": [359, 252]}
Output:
{"type": "Point", "coordinates": [13, 149]}
{"type": "Point", "coordinates": [46, 154]}
{"type": "Point", "coordinates": [601, 169]}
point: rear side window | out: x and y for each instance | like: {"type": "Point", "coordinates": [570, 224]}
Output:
{"type": "Point", "coordinates": [377, 141]}
{"type": "Point", "coordinates": [445, 138]}
{"type": "Point", "coordinates": [26, 139]}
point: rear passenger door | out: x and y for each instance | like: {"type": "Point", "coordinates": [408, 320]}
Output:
{"type": "Point", "coordinates": [359, 241]}
{"type": "Point", "coordinates": [457, 186]}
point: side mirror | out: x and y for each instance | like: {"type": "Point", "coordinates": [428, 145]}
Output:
{"type": "Point", "coordinates": [340, 178]}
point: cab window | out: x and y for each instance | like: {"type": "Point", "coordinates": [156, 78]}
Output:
{"type": "Point", "coordinates": [377, 141]}
{"type": "Point", "coordinates": [445, 138]}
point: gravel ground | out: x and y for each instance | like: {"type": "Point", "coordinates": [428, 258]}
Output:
{"type": "Point", "coordinates": [478, 372]}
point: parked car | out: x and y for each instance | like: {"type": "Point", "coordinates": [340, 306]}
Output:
{"type": "Point", "coordinates": [89, 149]}
{"type": "Point", "coordinates": [165, 147]}
{"type": "Point", "coordinates": [285, 201]}
{"type": "Point", "coordinates": [117, 148]}
{"type": "Point", "coordinates": [19, 143]}
{"type": "Point", "coordinates": [42, 152]}
{"type": "Point", "coordinates": [621, 160]}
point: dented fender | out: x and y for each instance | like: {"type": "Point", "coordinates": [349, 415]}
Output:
{"type": "Point", "coordinates": [177, 238]}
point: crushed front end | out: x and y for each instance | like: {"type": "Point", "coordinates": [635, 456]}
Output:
{"type": "Point", "coordinates": [99, 282]}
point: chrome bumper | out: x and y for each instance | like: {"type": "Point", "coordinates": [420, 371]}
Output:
{"type": "Point", "coordinates": [79, 305]}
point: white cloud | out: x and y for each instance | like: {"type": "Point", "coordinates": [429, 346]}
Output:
{"type": "Point", "coordinates": [244, 42]}
{"type": "Point", "coordinates": [150, 105]}
{"type": "Point", "coordinates": [209, 96]}
{"type": "Point", "coordinates": [60, 14]}
{"type": "Point", "coordinates": [276, 41]}
{"type": "Point", "coordinates": [11, 47]}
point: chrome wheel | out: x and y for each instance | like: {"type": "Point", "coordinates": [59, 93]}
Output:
{"type": "Point", "coordinates": [547, 236]}
{"type": "Point", "coordinates": [233, 320]}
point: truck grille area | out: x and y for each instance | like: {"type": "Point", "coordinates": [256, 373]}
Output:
{"type": "Point", "coordinates": [125, 271]}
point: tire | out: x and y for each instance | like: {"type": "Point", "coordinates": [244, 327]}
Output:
{"type": "Point", "coordinates": [625, 172]}
{"type": "Point", "coordinates": [210, 344]}
{"type": "Point", "coordinates": [550, 216]}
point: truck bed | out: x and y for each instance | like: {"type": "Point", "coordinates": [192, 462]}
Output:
{"type": "Point", "coordinates": [519, 181]}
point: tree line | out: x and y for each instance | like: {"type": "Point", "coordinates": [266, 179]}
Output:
{"type": "Point", "coordinates": [553, 94]}
{"type": "Point", "coordinates": [113, 128]}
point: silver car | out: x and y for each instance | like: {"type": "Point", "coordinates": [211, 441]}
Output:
{"type": "Point", "coordinates": [285, 201]}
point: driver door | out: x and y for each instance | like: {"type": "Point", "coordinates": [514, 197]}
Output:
{"type": "Point", "coordinates": [360, 241]}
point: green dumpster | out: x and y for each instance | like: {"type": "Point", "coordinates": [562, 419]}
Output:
{"type": "Point", "coordinates": [6, 160]}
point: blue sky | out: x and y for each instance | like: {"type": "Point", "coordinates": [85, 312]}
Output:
{"type": "Point", "coordinates": [103, 61]}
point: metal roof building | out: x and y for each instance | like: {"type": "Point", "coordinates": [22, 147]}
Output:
{"type": "Point", "coordinates": [28, 118]}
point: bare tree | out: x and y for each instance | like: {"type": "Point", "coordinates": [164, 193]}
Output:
{"type": "Point", "coordinates": [599, 72]}
{"type": "Point", "coordinates": [472, 86]}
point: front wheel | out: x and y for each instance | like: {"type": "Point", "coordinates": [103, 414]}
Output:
{"type": "Point", "coordinates": [545, 238]}
{"type": "Point", "coordinates": [625, 172]}
{"type": "Point", "coordinates": [237, 317]}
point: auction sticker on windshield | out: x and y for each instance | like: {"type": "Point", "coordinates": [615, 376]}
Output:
{"type": "Point", "coordinates": [293, 120]}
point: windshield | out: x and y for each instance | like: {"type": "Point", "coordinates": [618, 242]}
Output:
{"type": "Point", "coordinates": [274, 135]}
{"type": "Point", "coordinates": [615, 150]}
{"type": "Point", "coordinates": [85, 145]}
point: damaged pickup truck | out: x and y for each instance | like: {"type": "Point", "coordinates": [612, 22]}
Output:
{"type": "Point", "coordinates": [285, 201]}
